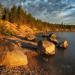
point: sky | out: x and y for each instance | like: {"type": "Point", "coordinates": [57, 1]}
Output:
{"type": "Point", "coordinates": [52, 11]}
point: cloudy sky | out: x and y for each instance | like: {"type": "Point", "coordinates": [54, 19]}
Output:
{"type": "Point", "coordinates": [53, 11]}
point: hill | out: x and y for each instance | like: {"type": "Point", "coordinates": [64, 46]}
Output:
{"type": "Point", "coordinates": [8, 28]}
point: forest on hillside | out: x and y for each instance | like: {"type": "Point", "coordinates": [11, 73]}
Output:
{"type": "Point", "coordinates": [16, 14]}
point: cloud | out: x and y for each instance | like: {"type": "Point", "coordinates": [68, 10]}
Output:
{"type": "Point", "coordinates": [47, 10]}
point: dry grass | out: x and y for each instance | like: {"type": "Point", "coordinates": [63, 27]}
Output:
{"type": "Point", "coordinates": [12, 28]}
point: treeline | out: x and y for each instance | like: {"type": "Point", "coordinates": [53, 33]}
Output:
{"type": "Point", "coordinates": [16, 14]}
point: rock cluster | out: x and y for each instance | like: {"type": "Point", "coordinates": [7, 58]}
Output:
{"type": "Point", "coordinates": [48, 46]}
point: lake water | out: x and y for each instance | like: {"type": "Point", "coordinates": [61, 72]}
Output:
{"type": "Point", "coordinates": [63, 63]}
{"type": "Point", "coordinates": [68, 55]}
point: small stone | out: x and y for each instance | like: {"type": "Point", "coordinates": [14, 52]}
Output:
{"type": "Point", "coordinates": [53, 38]}
{"type": "Point", "coordinates": [64, 44]}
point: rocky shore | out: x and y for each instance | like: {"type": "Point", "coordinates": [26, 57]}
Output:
{"type": "Point", "coordinates": [28, 56]}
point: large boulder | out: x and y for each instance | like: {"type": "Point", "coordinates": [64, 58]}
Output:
{"type": "Point", "coordinates": [11, 54]}
{"type": "Point", "coordinates": [49, 47]}
{"type": "Point", "coordinates": [14, 58]}
{"type": "Point", "coordinates": [64, 44]}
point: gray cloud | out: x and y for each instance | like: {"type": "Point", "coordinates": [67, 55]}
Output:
{"type": "Point", "coordinates": [47, 10]}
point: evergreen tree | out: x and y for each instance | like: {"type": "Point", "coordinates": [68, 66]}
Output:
{"type": "Point", "coordinates": [6, 14]}
{"type": "Point", "coordinates": [1, 11]}
{"type": "Point", "coordinates": [13, 14]}
{"type": "Point", "coordinates": [21, 15]}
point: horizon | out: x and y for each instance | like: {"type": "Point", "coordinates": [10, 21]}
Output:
{"type": "Point", "coordinates": [53, 11]}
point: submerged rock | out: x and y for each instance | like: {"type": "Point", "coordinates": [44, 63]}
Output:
{"type": "Point", "coordinates": [49, 47]}
{"type": "Point", "coordinates": [64, 44]}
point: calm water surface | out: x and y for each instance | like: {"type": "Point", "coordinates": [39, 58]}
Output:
{"type": "Point", "coordinates": [68, 55]}
{"type": "Point", "coordinates": [63, 63]}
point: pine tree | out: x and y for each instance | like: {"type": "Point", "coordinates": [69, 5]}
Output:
{"type": "Point", "coordinates": [21, 15]}
{"type": "Point", "coordinates": [13, 14]}
{"type": "Point", "coordinates": [1, 11]}
{"type": "Point", "coordinates": [6, 14]}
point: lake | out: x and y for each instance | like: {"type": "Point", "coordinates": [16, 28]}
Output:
{"type": "Point", "coordinates": [63, 63]}
{"type": "Point", "coordinates": [68, 55]}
